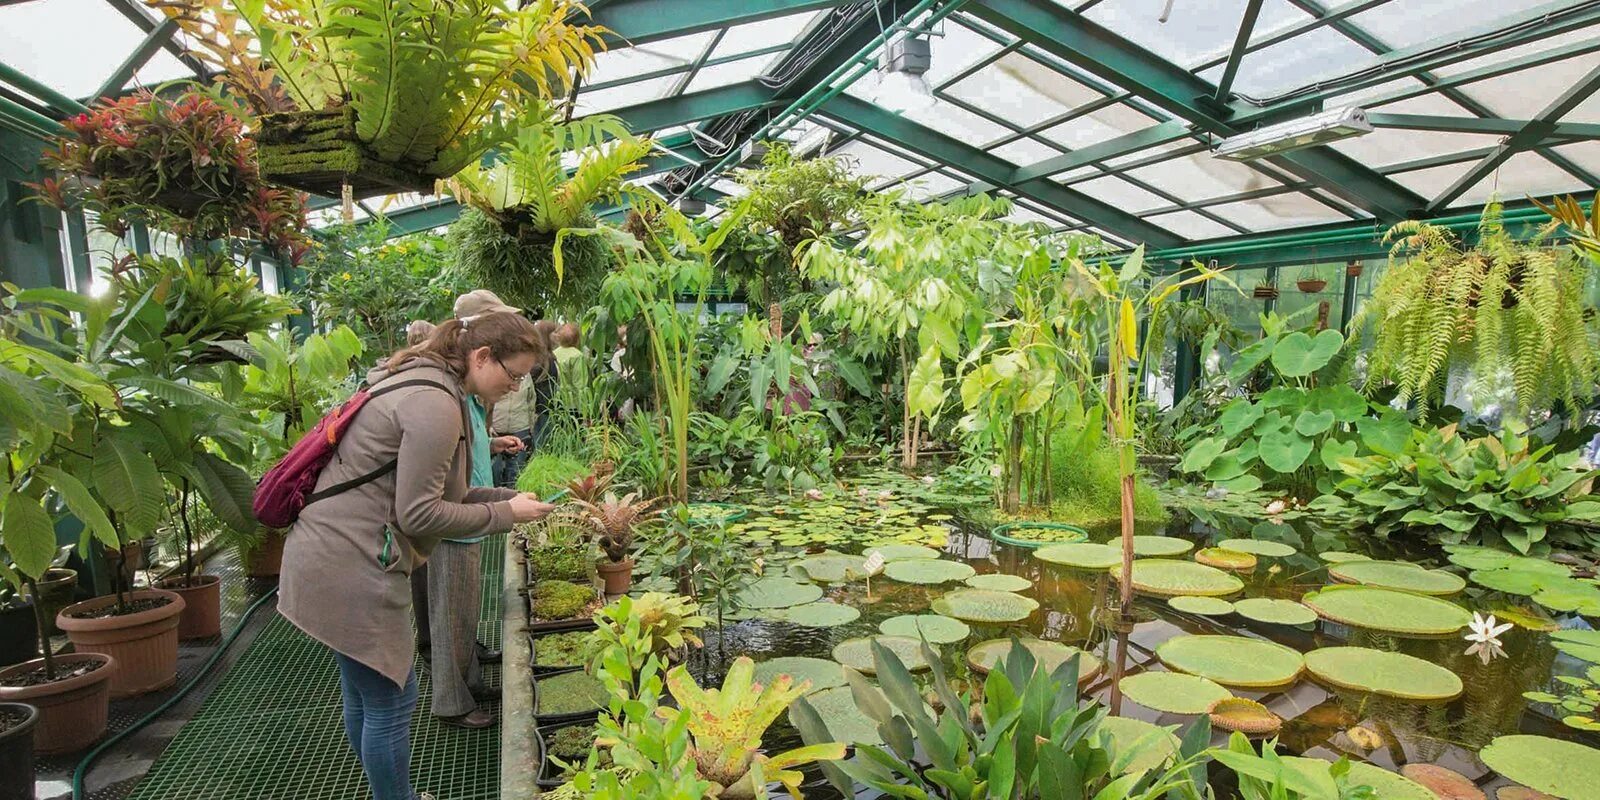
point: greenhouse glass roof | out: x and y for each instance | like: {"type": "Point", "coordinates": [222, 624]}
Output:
{"type": "Point", "coordinates": [1095, 115]}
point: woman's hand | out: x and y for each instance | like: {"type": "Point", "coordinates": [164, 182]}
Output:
{"type": "Point", "coordinates": [527, 507]}
{"type": "Point", "coordinates": [505, 444]}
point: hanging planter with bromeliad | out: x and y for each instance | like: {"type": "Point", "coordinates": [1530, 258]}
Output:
{"type": "Point", "coordinates": [1264, 291]}
{"type": "Point", "coordinates": [392, 106]}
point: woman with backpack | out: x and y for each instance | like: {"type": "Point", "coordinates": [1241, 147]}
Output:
{"type": "Point", "coordinates": [401, 473]}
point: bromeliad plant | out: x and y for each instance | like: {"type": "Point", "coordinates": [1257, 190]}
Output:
{"type": "Point", "coordinates": [614, 520]}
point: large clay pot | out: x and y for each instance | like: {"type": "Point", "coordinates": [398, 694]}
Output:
{"type": "Point", "coordinates": [144, 643]}
{"type": "Point", "coordinates": [266, 561]}
{"type": "Point", "coordinates": [16, 753]}
{"type": "Point", "coordinates": [72, 712]}
{"type": "Point", "coordinates": [202, 605]}
{"type": "Point", "coordinates": [618, 575]}
{"type": "Point", "coordinates": [56, 589]}
{"type": "Point", "coordinates": [19, 634]}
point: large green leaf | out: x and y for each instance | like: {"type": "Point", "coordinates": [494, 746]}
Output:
{"type": "Point", "coordinates": [81, 503]}
{"type": "Point", "coordinates": [1237, 417]}
{"type": "Point", "coordinates": [1313, 423]}
{"type": "Point", "coordinates": [1346, 403]}
{"type": "Point", "coordinates": [1333, 450]}
{"type": "Point", "coordinates": [1284, 450]}
{"type": "Point", "coordinates": [28, 535]}
{"type": "Point", "coordinates": [1387, 434]}
{"type": "Point", "coordinates": [854, 374]}
{"type": "Point", "coordinates": [127, 479]}
{"type": "Point", "coordinates": [25, 398]}
{"type": "Point", "coordinates": [925, 390]}
{"type": "Point", "coordinates": [1250, 358]}
{"type": "Point", "coordinates": [1299, 354]}
{"type": "Point", "coordinates": [1202, 453]}
{"type": "Point", "coordinates": [721, 370]}
{"type": "Point", "coordinates": [228, 491]}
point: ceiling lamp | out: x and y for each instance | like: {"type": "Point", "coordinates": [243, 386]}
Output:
{"type": "Point", "coordinates": [1321, 128]}
{"type": "Point", "coordinates": [902, 82]}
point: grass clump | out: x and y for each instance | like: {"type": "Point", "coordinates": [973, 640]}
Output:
{"type": "Point", "coordinates": [546, 473]}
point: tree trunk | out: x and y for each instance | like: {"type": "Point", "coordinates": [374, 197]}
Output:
{"type": "Point", "coordinates": [42, 626]}
{"type": "Point", "coordinates": [1127, 543]}
{"type": "Point", "coordinates": [1045, 474]}
{"type": "Point", "coordinates": [907, 454]}
{"type": "Point", "coordinates": [1012, 500]}
{"type": "Point", "coordinates": [916, 439]}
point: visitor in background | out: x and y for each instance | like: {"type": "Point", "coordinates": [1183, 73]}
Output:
{"type": "Point", "coordinates": [347, 558]}
{"type": "Point", "coordinates": [417, 333]}
{"type": "Point", "coordinates": [544, 386]}
{"type": "Point", "coordinates": [517, 415]}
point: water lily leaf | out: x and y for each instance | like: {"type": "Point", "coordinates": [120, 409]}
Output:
{"type": "Point", "coordinates": [1172, 692]}
{"type": "Point", "coordinates": [984, 655]}
{"type": "Point", "coordinates": [1299, 354]}
{"type": "Point", "coordinates": [1081, 555]}
{"type": "Point", "coordinates": [1167, 577]}
{"type": "Point", "coordinates": [1558, 768]}
{"type": "Point", "coordinates": [778, 593]}
{"type": "Point", "coordinates": [845, 720]}
{"type": "Point", "coordinates": [1398, 575]}
{"type": "Point", "coordinates": [833, 567]}
{"type": "Point", "coordinates": [1340, 556]}
{"type": "Point", "coordinates": [1509, 581]}
{"type": "Point", "coordinates": [1258, 547]}
{"type": "Point", "coordinates": [1232, 660]}
{"type": "Point", "coordinates": [817, 615]}
{"type": "Point", "coordinates": [928, 571]}
{"type": "Point", "coordinates": [1243, 715]}
{"type": "Point", "coordinates": [1146, 546]}
{"type": "Point", "coordinates": [999, 582]}
{"type": "Point", "coordinates": [1569, 594]}
{"type": "Point", "coordinates": [1274, 611]}
{"type": "Point", "coordinates": [903, 552]}
{"type": "Point", "coordinates": [1223, 558]}
{"type": "Point", "coordinates": [1383, 673]}
{"type": "Point", "coordinates": [857, 653]}
{"type": "Point", "coordinates": [822, 673]}
{"type": "Point", "coordinates": [1582, 645]}
{"type": "Point", "coordinates": [982, 605]}
{"type": "Point", "coordinates": [935, 628]}
{"type": "Point", "coordinates": [1204, 606]}
{"type": "Point", "coordinates": [1242, 484]}
{"type": "Point", "coordinates": [1388, 610]}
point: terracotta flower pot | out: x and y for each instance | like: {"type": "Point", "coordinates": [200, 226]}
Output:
{"type": "Point", "coordinates": [202, 605]}
{"type": "Point", "coordinates": [55, 592]}
{"type": "Point", "coordinates": [144, 643]}
{"type": "Point", "coordinates": [618, 575]}
{"type": "Point", "coordinates": [16, 752]}
{"type": "Point", "coordinates": [266, 561]}
{"type": "Point", "coordinates": [72, 712]}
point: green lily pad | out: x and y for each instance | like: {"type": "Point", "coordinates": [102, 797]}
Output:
{"type": "Point", "coordinates": [1558, 768]}
{"type": "Point", "coordinates": [779, 593]}
{"type": "Point", "coordinates": [1173, 692]}
{"type": "Point", "coordinates": [984, 655]}
{"type": "Point", "coordinates": [1160, 546]}
{"type": "Point", "coordinates": [1257, 547]}
{"type": "Point", "coordinates": [1388, 610]}
{"type": "Point", "coordinates": [1384, 673]}
{"type": "Point", "coordinates": [1582, 645]}
{"type": "Point", "coordinates": [928, 571]}
{"type": "Point", "coordinates": [1126, 732]}
{"type": "Point", "coordinates": [1223, 558]}
{"type": "Point", "coordinates": [902, 552]}
{"type": "Point", "coordinates": [1341, 556]}
{"type": "Point", "coordinates": [845, 720]}
{"type": "Point", "coordinates": [833, 567]}
{"type": "Point", "coordinates": [1166, 577]}
{"type": "Point", "coordinates": [1510, 581]}
{"type": "Point", "coordinates": [711, 513]}
{"type": "Point", "coordinates": [857, 653]}
{"type": "Point", "coordinates": [1398, 575]}
{"type": "Point", "coordinates": [1274, 611]}
{"type": "Point", "coordinates": [822, 673]}
{"type": "Point", "coordinates": [1031, 534]}
{"type": "Point", "coordinates": [982, 605]}
{"type": "Point", "coordinates": [1244, 715]}
{"type": "Point", "coordinates": [935, 628]}
{"type": "Point", "coordinates": [1385, 784]}
{"type": "Point", "coordinates": [1081, 555]}
{"type": "Point", "coordinates": [999, 582]}
{"type": "Point", "coordinates": [1204, 606]}
{"type": "Point", "coordinates": [1232, 660]}
{"type": "Point", "coordinates": [1570, 594]}
{"type": "Point", "coordinates": [817, 615]}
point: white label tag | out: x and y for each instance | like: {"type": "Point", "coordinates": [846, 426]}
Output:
{"type": "Point", "coordinates": [874, 563]}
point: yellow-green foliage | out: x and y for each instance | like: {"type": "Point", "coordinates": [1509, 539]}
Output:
{"type": "Point", "coordinates": [1087, 488]}
{"type": "Point", "coordinates": [546, 473]}
{"type": "Point", "coordinates": [1440, 304]}
{"type": "Point", "coordinates": [553, 600]}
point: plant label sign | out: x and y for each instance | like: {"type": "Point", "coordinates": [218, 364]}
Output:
{"type": "Point", "coordinates": [874, 563]}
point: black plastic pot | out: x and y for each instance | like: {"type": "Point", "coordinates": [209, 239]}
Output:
{"type": "Point", "coordinates": [549, 774]}
{"type": "Point", "coordinates": [547, 720]}
{"type": "Point", "coordinates": [535, 635]}
{"type": "Point", "coordinates": [19, 634]}
{"type": "Point", "coordinates": [16, 754]}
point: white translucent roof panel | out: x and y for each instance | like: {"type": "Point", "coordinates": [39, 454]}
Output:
{"type": "Point", "coordinates": [1148, 152]}
{"type": "Point", "coordinates": [1022, 91]}
{"type": "Point", "coordinates": [932, 184]}
{"type": "Point", "coordinates": [1202, 176]}
{"type": "Point", "coordinates": [753, 36]}
{"type": "Point", "coordinates": [1504, 55]}
{"type": "Point", "coordinates": [1404, 23]}
{"type": "Point", "coordinates": [1023, 152]}
{"type": "Point", "coordinates": [161, 68]}
{"type": "Point", "coordinates": [595, 102]}
{"type": "Point", "coordinates": [879, 165]}
{"type": "Point", "coordinates": [1522, 95]}
{"type": "Point", "coordinates": [1386, 146]}
{"type": "Point", "coordinates": [1287, 210]}
{"type": "Point", "coordinates": [1106, 123]}
{"type": "Point", "coordinates": [1120, 193]}
{"type": "Point", "coordinates": [959, 48]}
{"type": "Point", "coordinates": [622, 63]}
{"type": "Point", "coordinates": [1024, 214]}
{"type": "Point", "coordinates": [71, 46]}
{"type": "Point", "coordinates": [1076, 174]}
{"type": "Point", "coordinates": [1194, 31]}
{"type": "Point", "coordinates": [1190, 225]}
{"type": "Point", "coordinates": [942, 116]}
{"type": "Point", "coordinates": [1316, 54]}
{"type": "Point", "coordinates": [1522, 175]}
{"type": "Point", "coordinates": [731, 72]}
{"type": "Point", "coordinates": [1584, 154]}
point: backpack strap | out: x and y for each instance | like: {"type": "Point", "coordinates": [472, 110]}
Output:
{"type": "Point", "coordinates": [391, 465]}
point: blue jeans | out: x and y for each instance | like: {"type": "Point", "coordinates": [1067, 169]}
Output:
{"type": "Point", "coordinates": [508, 466]}
{"type": "Point", "coordinates": [377, 719]}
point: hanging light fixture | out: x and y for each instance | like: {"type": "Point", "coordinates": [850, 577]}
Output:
{"type": "Point", "coordinates": [902, 82]}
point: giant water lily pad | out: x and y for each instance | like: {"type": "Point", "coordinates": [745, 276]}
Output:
{"type": "Point", "coordinates": [817, 615]}
{"type": "Point", "coordinates": [1381, 672]}
{"type": "Point", "coordinates": [845, 720]}
{"type": "Point", "coordinates": [714, 513]}
{"type": "Point", "coordinates": [935, 628]}
{"type": "Point", "coordinates": [902, 552]}
{"type": "Point", "coordinates": [1569, 594]}
{"type": "Point", "coordinates": [1258, 547]}
{"type": "Point", "coordinates": [1223, 558]}
{"type": "Point", "coordinates": [822, 673]}
{"type": "Point", "coordinates": [1126, 732]}
{"type": "Point", "coordinates": [982, 605]}
{"type": "Point", "coordinates": [833, 567]}
{"type": "Point", "coordinates": [1166, 577]}
{"type": "Point", "coordinates": [1398, 575]}
{"type": "Point", "coordinates": [1160, 546]}
{"type": "Point", "coordinates": [1030, 534]}
{"type": "Point", "coordinates": [1274, 611]}
{"type": "Point", "coordinates": [1232, 660]}
{"type": "Point", "coordinates": [1173, 692]}
{"type": "Point", "coordinates": [1388, 610]}
{"type": "Point", "coordinates": [779, 593]}
{"type": "Point", "coordinates": [1243, 715]}
{"type": "Point", "coordinates": [1204, 606]}
{"type": "Point", "coordinates": [1386, 785]}
{"type": "Point", "coordinates": [1341, 556]}
{"type": "Point", "coordinates": [928, 571]}
{"type": "Point", "coordinates": [1558, 768]}
{"type": "Point", "coordinates": [857, 653]}
{"type": "Point", "coordinates": [1081, 555]}
{"type": "Point", "coordinates": [984, 655]}
{"type": "Point", "coordinates": [999, 582]}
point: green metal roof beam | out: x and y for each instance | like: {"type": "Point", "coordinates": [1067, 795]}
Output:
{"type": "Point", "coordinates": [1153, 136]}
{"type": "Point", "coordinates": [1499, 127]}
{"type": "Point", "coordinates": [1484, 73]}
{"type": "Point", "coordinates": [639, 22]}
{"type": "Point", "coordinates": [948, 150]}
{"type": "Point", "coordinates": [1102, 53]}
{"type": "Point", "coordinates": [141, 55]}
{"type": "Point", "coordinates": [683, 109]}
{"type": "Point", "coordinates": [1535, 131]}
{"type": "Point", "coordinates": [54, 100]}
{"type": "Point", "coordinates": [1247, 26]}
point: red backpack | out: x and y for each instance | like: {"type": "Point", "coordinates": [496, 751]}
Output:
{"type": "Point", "coordinates": [291, 484]}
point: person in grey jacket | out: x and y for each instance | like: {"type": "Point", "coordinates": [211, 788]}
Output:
{"type": "Point", "coordinates": [347, 558]}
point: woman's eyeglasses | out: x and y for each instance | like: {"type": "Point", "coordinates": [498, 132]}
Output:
{"type": "Point", "coordinates": [516, 380]}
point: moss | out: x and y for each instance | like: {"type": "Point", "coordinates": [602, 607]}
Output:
{"type": "Point", "coordinates": [571, 746]}
{"type": "Point", "coordinates": [562, 649]}
{"type": "Point", "coordinates": [554, 600]}
{"type": "Point", "coordinates": [562, 562]}
{"type": "Point", "coordinates": [548, 472]}
{"type": "Point", "coordinates": [570, 693]}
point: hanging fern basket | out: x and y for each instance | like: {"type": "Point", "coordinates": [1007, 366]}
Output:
{"type": "Point", "coordinates": [318, 152]}
{"type": "Point", "coordinates": [1264, 291]}
{"type": "Point", "coordinates": [1311, 286]}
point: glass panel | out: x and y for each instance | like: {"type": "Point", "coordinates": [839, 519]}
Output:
{"type": "Point", "coordinates": [1521, 175]}
{"type": "Point", "coordinates": [1311, 56]}
{"type": "Point", "coordinates": [1403, 23]}
{"type": "Point", "coordinates": [1584, 154]}
{"type": "Point", "coordinates": [1523, 95]}
{"type": "Point", "coordinates": [1190, 225]}
{"type": "Point", "coordinates": [1520, 51]}
{"type": "Point", "coordinates": [1055, 216]}
{"type": "Point", "coordinates": [1386, 146]}
{"type": "Point", "coordinates": [765, 33]}
{"type": "Point", "coordinates": [1363, 97]}
{"type": "Point", "coordinates": [1201, 176]}
{"type": "Point", "coordinates": [732, 72]}
{"type": "Point", "coordinates": [625, 95]}
{"type": "Point", "coordinates": [1140, 155]}
{"type": "Point", "coordinates": [162, 67]}
{"type": "Point", "coordinates": [1076, 174]}
{"type": "Point", "coordinates": [69, 45]}
{"type": "Point", "coordinates": [1240, 308]}
{"type": "Point", "coordinates": [1106, 123]}
{"type": "Point", "coordinates": [614, 65]}
{"type": "Point", "coordinates": [1309, 305]}
{"type": "Point", "coordinates": [1120, 193]}
{"type": "Point", "coordinates": [957, 123]}
{"type": "Point", "coordinates": [1287, 210]}
{"type": "Point", "coordinates": [1022, 91]}
{"type": "Point", "coordinates": [932, 184]}
{"type": "Point", "coordinates": [959, 48]}
{"type": "Point", "coordinates": [1022, 214]}
{"type": "Point", "coordinates": [1194, 30]}
{"type": "Point", "coordinates": [1024, 151]}
{"type": "Point", "coordinates": [870, 161]}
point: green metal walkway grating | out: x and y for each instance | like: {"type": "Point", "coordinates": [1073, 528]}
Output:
{"type": "Point", "coordinates": [272, 730]}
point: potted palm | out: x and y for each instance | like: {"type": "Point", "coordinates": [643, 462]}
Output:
{"type": "Point", "coordinates": [613, 520]}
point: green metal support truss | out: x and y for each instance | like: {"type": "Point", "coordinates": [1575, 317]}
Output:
{"type": "Point", "coordinates": [643, 21]}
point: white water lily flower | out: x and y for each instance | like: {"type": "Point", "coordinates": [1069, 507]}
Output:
{"type": "Point", "coordinates": [1276, 507]}
{"type": "Point", "coordinates": [813, 494]}
{"type": "Point", "coordinates": [885, 495]}
{"type": "Point", "coordinates": [1485, 637]}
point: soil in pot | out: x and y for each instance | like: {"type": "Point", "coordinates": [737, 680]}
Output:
{"type": "Point", "coordinates": [17, 722]}
{"type": "Point", "coordinates": [202, 609]}
{"type": "Point", "coordinates": [56, 591]}
{"type": "Point", "coordinates": [19, 634]}
{"type": "Point", "coordinates": [142, 638]}
{"type": "Point", "coordinates": [617, 575]}
{"type": "Point", "coordinates": [72, 708]}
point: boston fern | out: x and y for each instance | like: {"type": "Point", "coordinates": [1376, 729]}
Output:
{"type": "Point", "coordinates": [1502, 307]}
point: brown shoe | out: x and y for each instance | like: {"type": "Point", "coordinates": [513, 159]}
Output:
{"type": "Point", "coordinates": [477, 718]}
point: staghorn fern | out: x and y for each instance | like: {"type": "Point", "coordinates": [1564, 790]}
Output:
{"type": "Point", "coordinates": [1502, 307]}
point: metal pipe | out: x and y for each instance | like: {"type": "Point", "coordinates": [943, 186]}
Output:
{"type": "Point", "coordinates": [33, 120]}
{"type": "Point", "coordinates": [51, 97]}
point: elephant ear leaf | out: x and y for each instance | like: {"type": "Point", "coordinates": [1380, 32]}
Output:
{"type": "Point", "coordinates": [1284, 450]}
{"type": "Point", "coordinates": [1299, 354]}
{"type": "Point", "coordinates": [1202, 453]}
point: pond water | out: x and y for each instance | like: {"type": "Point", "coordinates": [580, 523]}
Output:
{"type": "Point", "coordinates": [1078, 607]}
